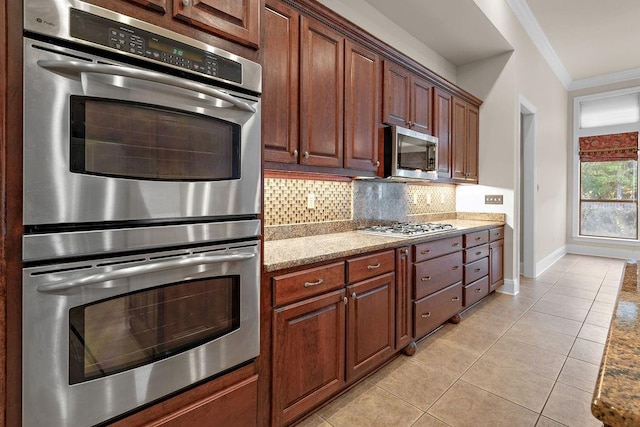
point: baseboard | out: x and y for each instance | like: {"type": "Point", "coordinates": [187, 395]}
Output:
{"type": "Point", "coordinates": [510, 287]}
{"type": "Point", "coordinates": [550, 259]}
{"type": "Point", "coordinates": [631, 253]}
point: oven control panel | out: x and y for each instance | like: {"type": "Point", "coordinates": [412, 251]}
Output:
{"type": "Point", "coordinates": [138, 42]}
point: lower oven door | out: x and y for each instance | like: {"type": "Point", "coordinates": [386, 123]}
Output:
{"type": "Point", "coordinates": [103, 337]}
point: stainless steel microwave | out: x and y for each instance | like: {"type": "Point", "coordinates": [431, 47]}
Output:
{"type": "Point", "coordinates": [409, 154]}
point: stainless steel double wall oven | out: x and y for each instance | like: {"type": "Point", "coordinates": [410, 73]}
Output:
{"type": "Point", "coordinates": [141, 213]}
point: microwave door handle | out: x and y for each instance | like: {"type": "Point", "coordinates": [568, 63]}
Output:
{"type": "Point", "coordinates": [54, 288]}
{"type": "Point", "coordinates": [151, 76]}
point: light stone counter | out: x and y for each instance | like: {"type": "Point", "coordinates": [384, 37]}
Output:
{"type": "Point", "coordinates": [300, 251]}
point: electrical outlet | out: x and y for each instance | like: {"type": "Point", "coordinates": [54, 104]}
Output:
{"type": "Point", "coordinates": [415, 198]}
{"type": "Point", "coordinates": [311, 201]}
{"type": "Point", "coordinates": [428, 198]}
{"type": "Point", "coordinates": [442, 198]}
{"type": "Point", "coordinates": [493, 199]}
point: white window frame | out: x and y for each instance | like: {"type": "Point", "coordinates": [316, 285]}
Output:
{"type": "Point", "coordinates": [603, 130]}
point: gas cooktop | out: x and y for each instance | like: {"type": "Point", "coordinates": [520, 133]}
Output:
{"type": "Point", "coordinates": [407, 229]}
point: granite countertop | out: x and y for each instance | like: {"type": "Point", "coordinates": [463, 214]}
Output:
{"type": "Point", "coordinates": [616, 399]}
{"type": "Point", "coordinates": [300, 251]}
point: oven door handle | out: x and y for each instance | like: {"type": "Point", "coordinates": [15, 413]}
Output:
{"type": "Point", "coordinates": [141, 269]}
{"type": "Point", "coordinates": [151, 76]}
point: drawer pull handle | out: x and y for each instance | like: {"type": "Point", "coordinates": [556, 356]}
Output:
{"type": "Point", "coordinates": [478, 238]}
{"type": "Point", "coordinates": [476, 270]}
{"type": "Point", "coordinates": [405, 252]}
{"type": "Point", "coordinates": [478, 291]}
{"type": "Point", "coordinates": [427, 314]}
{"type": "Point", "coordinates": [455, 299]}
{"type": "Point", "coordinates": [426, 251]}
{"type": "Point", "coordinates": [455, 267]}
{"type": "Point", "coordinates": [455, 244]}
{"type": "Point", "coordinates": [479, 253]}
{"type": "Point", "coordinates": [497, 234]}
{"type": "Point", "coordinates": [373, 267]}
{"type": "Point", "coordinates": [426, 278]}
{"type": "Point", "coordinates": [310, 284]}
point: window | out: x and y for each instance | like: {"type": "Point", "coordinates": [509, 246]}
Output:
{"type": "Point", "coordinates": [607, 139]}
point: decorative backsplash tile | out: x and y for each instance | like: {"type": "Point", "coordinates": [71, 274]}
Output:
{"type": "Point", "coordinates": [285, 201]}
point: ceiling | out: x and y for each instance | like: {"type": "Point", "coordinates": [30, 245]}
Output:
{"type": "Point", "coordinates": [586, 42]}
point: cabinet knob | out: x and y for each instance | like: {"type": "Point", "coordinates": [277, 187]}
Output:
{"type": "Point", "coordinates": [185, 3]}
{"type": "Point", "coordinates": [425, 315]}
{"type": "Point", "coordinates": [345, 300]}
{"type": "Point", "coordinates": [309, 284]}
{"type": "Point", "coordinates": [353, 295]}
{"type": "Point", "coordinates": [306, 154]}
{"type": "Point", "coordinates": [377, 163]}
{"type": "Point", "coordinates": [295, 152]}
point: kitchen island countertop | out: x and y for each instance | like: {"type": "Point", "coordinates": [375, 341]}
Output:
{"type": "Point", "coordinates": [300, 251]}
{"type": "Point", "coordinates": [616, 399]}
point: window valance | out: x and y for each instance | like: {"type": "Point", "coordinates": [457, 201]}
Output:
{"type": "Point", "coordinates": [608, 148]}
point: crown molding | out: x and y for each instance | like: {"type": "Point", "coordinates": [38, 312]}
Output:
{"type": "Point", "coordinates": [531, 26]}
{"type": "Point", "coordinates": [606, 79]}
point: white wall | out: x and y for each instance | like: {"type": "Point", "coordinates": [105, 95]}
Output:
{"type": "Point", "coordinates": [370, 19]}
{"type": "Point", "coordinates": [526, 74]}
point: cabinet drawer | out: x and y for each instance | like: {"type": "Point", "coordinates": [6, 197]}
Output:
{"type": "Point", "coordinates": [474, 254]}
{"type": "Point", "coordinates": [437, 273]}
{"type": "Point", "coordinates": [432, 311]}
{"type": "Point", "coordinates": [476, 270]}
{"type": "Point", "coordinates": [303, 284]}
{"type": "Point", "coordinates": [437, 248]}
{"type": "Point", "coordinates": [370, 265]}
{"type": "Point", "coordinates": [476, 291]}
{"type": "Point", "coordinates": [475, 239]}
{"type": "Point", "coordinates": [496, 234]}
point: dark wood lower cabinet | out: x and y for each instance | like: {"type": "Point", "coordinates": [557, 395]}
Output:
{"type": "Point", "coordinates": [404, 299]}
{"type": "Point", "coordinates": [370, 324]}
{"type": "Point", "coordinates": [308, 354]}
{"type": "Point", "coordinates": [496, 254]}
{"type": "Point", "coordinates": [432, 311]}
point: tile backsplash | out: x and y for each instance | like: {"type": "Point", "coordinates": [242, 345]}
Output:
{"type": "Point", "coordinates": [285, 200]}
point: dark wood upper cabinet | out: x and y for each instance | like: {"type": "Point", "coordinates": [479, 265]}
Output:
{"type": "Point", "coordinates": [407, 99]}
{"type": "Point", "coordinates": [157, 5]}
{"type": "Point", "coordinates": [362, 82]}
{"type": "Point", "coordinates": [464, 141]}
{"type": "Point", "coordinates": [442, 130]}
{"type": "Point", "coordinates": [280, 43]}
{"type": "Point", "coordinates": [421, 112]}
{"type": "Point", "coordinates": [321, 95]}
{"type": "Point", "coordinates": [237, 20]}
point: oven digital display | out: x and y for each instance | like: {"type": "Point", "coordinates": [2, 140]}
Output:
{"type": "Point", "coordinates": [175, 50]}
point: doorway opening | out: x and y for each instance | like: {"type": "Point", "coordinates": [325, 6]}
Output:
{"type": "Point", "coordinates": [527, 186]}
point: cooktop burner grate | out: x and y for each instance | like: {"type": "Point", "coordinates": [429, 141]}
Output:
{"type": "Point", "coordinates": [407, 229]}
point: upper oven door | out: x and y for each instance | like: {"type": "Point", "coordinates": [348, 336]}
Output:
{"type": "Point", "coordinates": [108, 142]}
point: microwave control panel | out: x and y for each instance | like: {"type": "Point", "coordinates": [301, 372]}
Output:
{"type": "Point", "coordinates": [134, 41]}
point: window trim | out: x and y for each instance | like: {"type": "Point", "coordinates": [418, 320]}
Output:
{"type": "Point", "coordinates": [603, 130]}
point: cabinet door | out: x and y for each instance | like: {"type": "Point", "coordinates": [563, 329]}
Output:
{"type": "Point", "coordinates": [459, 138]}
{"type": "Point", "coordinates": [362, 80]}
{"type": "Point", "coordinates": [404, 308]}
{"type": "Point", "coordinates": [473, 121]}
{"type": "Point", "coordinates": [370, 324]}
{"type": "Point", "coordinates": [321, 95]}
{"type": "Point", "coordinates": [280, 83]}
{"type": "Point", "coordinates": [441, 129]}
{"type": "Point", "coordinates": [237, 20]}
{"type": "Point", "coordinates": [420, 116]}
{"type": "Point", "coordinates": [496, 272]}
{"type": "Point", "coordinates": [396, 93]}
{"type": "Point", "coordinates": [308, 354]}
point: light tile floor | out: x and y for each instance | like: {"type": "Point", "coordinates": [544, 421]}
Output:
{"type": "Point", "coordinates": [525, 360]}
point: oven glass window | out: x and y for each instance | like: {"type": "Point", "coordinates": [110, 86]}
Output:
{"type": "Point", "coordinates": [128, 331]}
{"type": "Point", "coordinates": [139, 141]}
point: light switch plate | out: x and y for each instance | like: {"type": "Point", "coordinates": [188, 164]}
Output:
{"type": "Point", "coordinates": [493, 199]}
